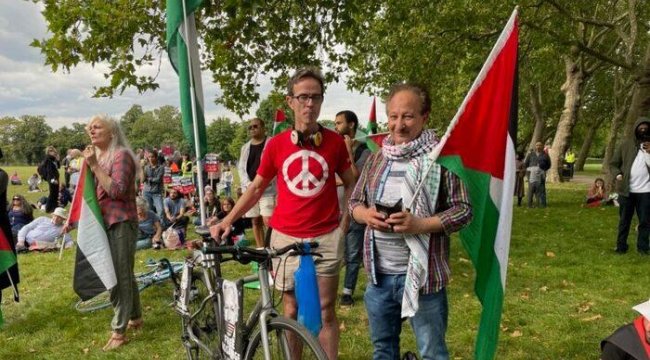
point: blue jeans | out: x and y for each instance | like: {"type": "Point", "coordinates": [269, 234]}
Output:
{"type": "Point", "coordinates": [353, 246]}
{"type": "Point", "coordinates": [384, 306]}
{"type": "Point", "coordinates": [155, 202]}
{"type": "Point", "coordinates": [143, 243]}
{"type": "Point", "coordinates": [639, 202]}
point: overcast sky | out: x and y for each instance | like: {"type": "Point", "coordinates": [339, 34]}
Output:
{"type": "Point", "coordinates": [27, 87]}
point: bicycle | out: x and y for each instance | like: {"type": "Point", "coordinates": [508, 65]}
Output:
{"type": "Point", "coordinates": [156, 276]}
{"type": "Point", "coordinates": [211, 309]}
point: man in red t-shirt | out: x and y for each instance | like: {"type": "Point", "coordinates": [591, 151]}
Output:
{"type": "Point", "coordinates": [305, 161]}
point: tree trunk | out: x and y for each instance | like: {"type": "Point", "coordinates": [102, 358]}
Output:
{"type": "Point", "coordinates": [640, 103]}
{"type": "Point", "coordinates": [586, 145]}
{"type": "Point", "coordinates": [617, 122]}
{"type": "Point", "coordinates": [537, 111]}
{"type": "Point", "coordinates": [572, 88]}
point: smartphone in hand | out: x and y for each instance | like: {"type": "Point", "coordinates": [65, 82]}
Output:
{"type": "Point", "coordinates": [387, 210]}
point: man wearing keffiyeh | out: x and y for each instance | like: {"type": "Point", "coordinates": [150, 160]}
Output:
{"type": "Point", "coordinates": [406, 251]}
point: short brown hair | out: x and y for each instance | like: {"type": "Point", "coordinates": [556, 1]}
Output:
{"type": "Point", "coordinates": [306, 72]}
{"type": "Point", "coordinates": [420, 91]}
{"type": "Point", "coordinates": [257, 119]}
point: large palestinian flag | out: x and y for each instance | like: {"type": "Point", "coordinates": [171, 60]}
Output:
{"type": "Point", "coordinates": [7, 259]}
{"type": "Point", "coordinates": [93, 271]}
{"type": "Point", "coordinates": [184, 57]}
{"type": "Point", "coordinates": [479, 147]}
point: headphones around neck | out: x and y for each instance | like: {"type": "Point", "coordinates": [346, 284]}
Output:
{"type": "Point", "coordinates": [301, 139]}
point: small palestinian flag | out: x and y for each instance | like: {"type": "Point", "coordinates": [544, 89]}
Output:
{"type": "Point", "coordinates": [93, 272]}
{"type": "Point", "coordinates": [280, 123]}
{"type": "Point", "coordinates": [7, 259]}
{"type": "Point", "coordinates": [372, 119]}
{"type": "Point", "coordinates": [373, 141]}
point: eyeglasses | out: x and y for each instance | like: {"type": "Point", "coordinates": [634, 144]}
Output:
{"type": "Point", "coordinates": [251, 127]}
{"type": "Point", "coordinates": [16, 198]}
{"type": "Point", "coordinates": [304, 98]}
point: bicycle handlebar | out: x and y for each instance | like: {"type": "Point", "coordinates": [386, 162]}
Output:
{"type": "Point", "coordinates": [246, 254]}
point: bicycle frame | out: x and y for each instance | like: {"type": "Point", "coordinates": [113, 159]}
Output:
{"type": "Point", "coordinates": [259, 315]}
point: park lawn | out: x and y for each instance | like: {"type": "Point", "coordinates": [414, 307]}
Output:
{"type": "Point", "coordinates": [566, 290]}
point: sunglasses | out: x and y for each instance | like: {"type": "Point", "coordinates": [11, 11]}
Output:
{"type": "Point", "coordinates": [16, 198]}
{"type": "Point", "coordinates": [251, 127]}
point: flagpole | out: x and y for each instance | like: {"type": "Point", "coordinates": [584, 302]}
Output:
{"type": "Point", "coordinates": [13, 286]}
{"type": "Point", "coordinates": [370, 135]}
{"type": "Point", "coordinates": [195, 125]}
{"type": "Point", "coordinates": [433, 155]}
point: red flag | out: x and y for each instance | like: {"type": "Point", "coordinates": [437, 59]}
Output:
{"type": "Point", "coordinates": [279, 115]}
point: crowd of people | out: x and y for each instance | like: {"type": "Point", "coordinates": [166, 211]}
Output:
{"type": "Point", "coordinates": [308, 183]}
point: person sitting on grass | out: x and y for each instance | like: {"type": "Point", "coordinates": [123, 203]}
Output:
{"type": "Point", "coordinates": [212, 207]}
{"type": "Point", "coordinates": [149, 227]}
{"type": "Point", "coordinates": [15, 179]}
{"type": "Point", "coordinates": [175, 208]}
{"type": "Point", "coordinates": [33, 183]}
{"type": "Point", "coordinates": [43, 232]}
{"type": "Point", "coordinates": [40, 203]}
{"type": "Point", "coordinates": [238, 227]}
{"type": "Point", "coordinates": [20, 214]}
{"type": "Point", "coordinates": [65, 197]}
{"type": "Point", "coordinates": [631, 341]}
{"type": "Point", "coordinates": [597, 193]}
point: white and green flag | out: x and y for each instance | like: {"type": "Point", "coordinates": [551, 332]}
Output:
{"type": "Point", "coordinates": [94, 272]}
{"type": "Point", "coordinates": [184, 56]}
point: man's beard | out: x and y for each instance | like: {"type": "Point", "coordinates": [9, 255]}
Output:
{"type": "Point", "coordinates": [345, 131]}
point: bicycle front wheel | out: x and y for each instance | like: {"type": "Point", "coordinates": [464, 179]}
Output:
{"type": "Point", "coordinates": [101, 301]}
{"type": "Point", "coordinates": [287, 340]}
{"type": "Point", "coordinates": [205, 326]}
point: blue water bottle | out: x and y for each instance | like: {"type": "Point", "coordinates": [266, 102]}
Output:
{"type": "Point", "coordinates": [307, 295]}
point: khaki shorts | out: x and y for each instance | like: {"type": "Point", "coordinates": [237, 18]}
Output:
{"type": "Point", "coordinates": [330, 246]}
{"type": "Point", "coordinates": [264, 207]}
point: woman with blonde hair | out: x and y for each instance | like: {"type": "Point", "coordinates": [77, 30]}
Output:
{"type": "Point", "coordinates": [75, 167]}
{"type": "Point", "coordinates": [114, 166]}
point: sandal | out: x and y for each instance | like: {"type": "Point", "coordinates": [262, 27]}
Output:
{"type": "Point", "coordinates": [115, 341]}
{"type": "Point", "coordinates": [135, 324]}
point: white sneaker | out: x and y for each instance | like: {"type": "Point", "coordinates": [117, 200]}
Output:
{"type": "Point", "coordinates": [20, 246]}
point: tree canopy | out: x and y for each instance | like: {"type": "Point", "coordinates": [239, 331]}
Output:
{"type": "Point", "coordinates": [569, 53]}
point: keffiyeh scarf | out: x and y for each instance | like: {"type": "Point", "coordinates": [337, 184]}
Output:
{"type": "Point", "coordinates": [416, 152]}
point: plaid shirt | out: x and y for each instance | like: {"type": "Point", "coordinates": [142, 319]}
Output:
{"type": "Point", "coordinates": [118, 204]}
{"type": "Point", "coordinates": [453, 209]}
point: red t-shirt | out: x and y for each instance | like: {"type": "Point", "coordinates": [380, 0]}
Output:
{"type": "Point", "coordinates": [307, 205]}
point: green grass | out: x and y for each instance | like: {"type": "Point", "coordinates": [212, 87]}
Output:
{"type": "Point", "coordinates": [566, 291]}
{"type": "Point", "coordinates": [593, 167]}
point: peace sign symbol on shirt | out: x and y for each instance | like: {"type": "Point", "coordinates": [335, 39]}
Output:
{"type": "Point", "coordinates": [305, 184]}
